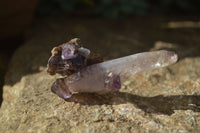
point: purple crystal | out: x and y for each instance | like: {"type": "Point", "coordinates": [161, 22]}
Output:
{"type": "Point", "coordinates": [117, 82]}
{"type": "Point", "coordinates": [112, 81]}
{"type": "Point", "coordinates": [68, 52]}
{"type": "Point", "coordinates": [59, 88]}
{"type": "Point", "coordinates": [107, 76]}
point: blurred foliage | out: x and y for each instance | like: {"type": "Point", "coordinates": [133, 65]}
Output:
{"type": "Point", "coordinates": [116, 8]}
{"type": "Point", "coordinates": [175, 6]}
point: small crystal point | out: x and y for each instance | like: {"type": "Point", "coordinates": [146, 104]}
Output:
{"type": "Point", "coordinates": [59, 88]}
{"type": "Point", "coordinates": [68, 52]}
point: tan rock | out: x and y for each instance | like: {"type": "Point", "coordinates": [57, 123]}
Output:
{"type": "Point", "coordinates": [163, 100]}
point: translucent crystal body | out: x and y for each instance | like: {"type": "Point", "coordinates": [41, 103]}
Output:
{"type": "Point", "coordinates": [107, 76]}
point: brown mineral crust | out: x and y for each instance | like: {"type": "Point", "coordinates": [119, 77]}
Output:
{"type": "Point", "coordinates": [94, 58]}
{"type": "Point", "coordinates": [57, 51]}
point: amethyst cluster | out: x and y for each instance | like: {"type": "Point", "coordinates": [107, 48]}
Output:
{"type": "Point", "coordinates": [70, 57]}
{"type": "Point", "coordinates": [84, 71]}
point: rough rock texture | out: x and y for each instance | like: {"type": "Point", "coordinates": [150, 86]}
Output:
{"type": "Point", "coordinates": [163, 100]}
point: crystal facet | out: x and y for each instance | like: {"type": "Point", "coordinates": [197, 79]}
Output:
{"type": "Point", "coordinates": [68, 52]}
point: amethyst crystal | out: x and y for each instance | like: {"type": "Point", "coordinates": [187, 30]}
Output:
{"type": "Point", "coordinates": [69, 51]}
{"type": "Point", "coordinates": [58, 88]}
{"type": "Point", "coordinates": [108, 76]}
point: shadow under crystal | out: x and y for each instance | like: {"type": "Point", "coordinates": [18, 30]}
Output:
{"type": "Point", "coordinates": [158, 104]}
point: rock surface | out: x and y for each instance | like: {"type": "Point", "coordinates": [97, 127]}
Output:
{"type": "Point", "coordinates": [163, 100]}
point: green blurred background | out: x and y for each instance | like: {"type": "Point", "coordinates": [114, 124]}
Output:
{"type": "Point", "coordinates": [117, 8]}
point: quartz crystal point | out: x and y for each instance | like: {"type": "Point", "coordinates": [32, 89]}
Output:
{"type": "Point", "coordinates": [109, 75]}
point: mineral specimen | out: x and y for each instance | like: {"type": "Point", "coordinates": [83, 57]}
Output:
{"type": "Point", "coordinates": [105, 76]}
{"type": "Point", "coordinates": [69, 57]}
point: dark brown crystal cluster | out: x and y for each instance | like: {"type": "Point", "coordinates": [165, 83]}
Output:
{"type": "Point", "coordinates": [70, 57]}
